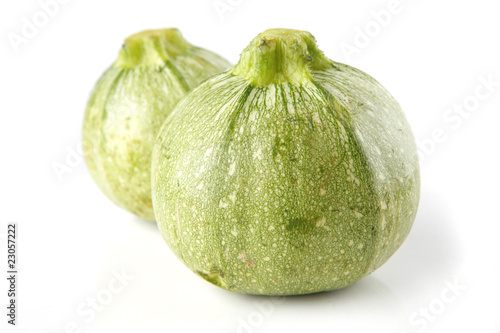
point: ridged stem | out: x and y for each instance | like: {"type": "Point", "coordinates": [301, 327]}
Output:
{"type": "Point", "coordinates": [279, 56]}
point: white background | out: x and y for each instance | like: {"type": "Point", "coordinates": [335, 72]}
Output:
{"type": "Point", "coordinates": [433, 56]}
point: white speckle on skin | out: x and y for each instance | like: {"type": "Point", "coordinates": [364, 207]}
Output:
{"type": "Point", "coordinates": [232, 168]}
{"type": "Point", "coordinates": [209, 151]}
{"type": "Point", "coordinates": [200, 186]}
{"type": "Point", "coordinates": [232, 196]}
{"type": "Point", "coordinates": [384, 222]}
{"type": "Point", "coordinates": [321, 191]}
{"type": "Point", "coordinates": [234, 232]}
{"type": "Point", "coordinates": [358, 214]}
{"type": "Point", "coordinates": [381, 176]}
{"type": "Point", "coordinates": [266, 259]}
{"type": "Point", "coordinates": [316, 119]}
{"type": "Point", "coordinates": [258, 154]}
{"type": "Point", "coordinates": [321, 222]}
{"type": "Point", "coordinates": [383, 205]}
{"type": "Point", "coordinates": [351, 242]}
{"type": "Point", "coordinates": [271, 228]}
{"type": "Point", "coordinates": [252, 116]}
{"type": "Point", "coordinates": [243, 257]}
{"type": "Point", "coordinates": [360, 246]}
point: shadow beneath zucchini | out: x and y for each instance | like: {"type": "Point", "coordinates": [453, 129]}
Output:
{"type": "Point", "coordinates": [369, 299]}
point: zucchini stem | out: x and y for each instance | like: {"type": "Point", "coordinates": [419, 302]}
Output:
{"type": "Point", "coordinates": [281, 56]}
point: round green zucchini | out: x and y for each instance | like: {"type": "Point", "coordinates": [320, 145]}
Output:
{"type": "Point", "coordinates": [287, 174]}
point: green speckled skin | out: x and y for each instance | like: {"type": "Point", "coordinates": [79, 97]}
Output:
{"type": "Point", "coordinates": [128, 106]}
{"type": "Point", "coordinates": [286, 185]}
